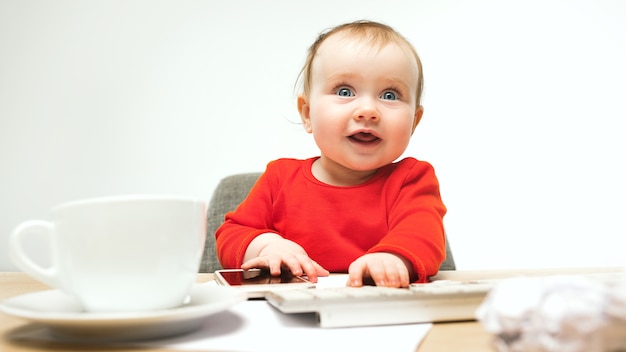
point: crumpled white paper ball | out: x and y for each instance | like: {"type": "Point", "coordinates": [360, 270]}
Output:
{"type": "Point", "coordinates": [556, 313]}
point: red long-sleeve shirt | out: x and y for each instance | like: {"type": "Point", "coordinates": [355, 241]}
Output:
{"type": "Point", "coordinates": [399, 210]}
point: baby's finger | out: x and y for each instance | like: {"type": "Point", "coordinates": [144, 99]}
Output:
{"type": "Point", "coordinates": [392, 278]}
{"type": "Point", "coordinates": [355, 274]}
{"type": "Point", "coordinates": [403, 276]}
{"type": "Point", "coordinates": [255, 263]}
{"type": "Point", "coordinates": [311, 269]}
{"type": "Point", "coordinates": [293, 265]}
{"type": "Point", "coordinates": [275, 265]}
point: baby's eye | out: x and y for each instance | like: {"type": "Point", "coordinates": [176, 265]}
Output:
{"type": "Point", "coordinates": [344, 92]}
{"type": "Point", "coordinates": [389, 95]}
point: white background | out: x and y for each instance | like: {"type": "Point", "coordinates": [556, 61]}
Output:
{"type": "Point", "coordinates": [524, 110]}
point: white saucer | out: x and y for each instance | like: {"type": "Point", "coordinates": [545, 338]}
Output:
{"type": "Point", "coordinates": [66, 318]}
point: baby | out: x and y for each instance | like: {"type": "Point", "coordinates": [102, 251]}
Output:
{"type": "Point", "coordinates": [353, 208]}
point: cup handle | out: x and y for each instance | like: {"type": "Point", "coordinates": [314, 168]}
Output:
{"type": "Point", "coordinates": [48, 275]}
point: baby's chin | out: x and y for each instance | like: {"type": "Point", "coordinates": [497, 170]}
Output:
{"type": "Point", "coordinates": [365, 165]}
{"type": "Point", "coordinates": [359, 164]}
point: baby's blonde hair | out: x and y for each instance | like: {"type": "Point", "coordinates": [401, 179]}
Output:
{"type": "Point", "coordinates": [376, 33]}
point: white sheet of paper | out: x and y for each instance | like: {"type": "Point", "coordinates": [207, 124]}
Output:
{"type": "Point", "coordinates": [256, 326]}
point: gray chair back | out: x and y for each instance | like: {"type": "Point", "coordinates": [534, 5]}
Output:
{"type": "Point", "coordinates": [231, 191]}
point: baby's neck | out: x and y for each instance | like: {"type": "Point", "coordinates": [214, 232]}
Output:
{"type": "Point", "coordinates": [334, 174]}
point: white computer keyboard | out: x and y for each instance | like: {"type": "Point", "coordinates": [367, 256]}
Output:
{"type": "Point", "coordinates": [371, 305]}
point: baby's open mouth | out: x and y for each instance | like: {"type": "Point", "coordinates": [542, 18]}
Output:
{"type": "Point", "coordinates": [364, 137]}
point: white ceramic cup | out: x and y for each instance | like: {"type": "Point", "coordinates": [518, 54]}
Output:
{"type": "Point", "coordinates": [119, 254]}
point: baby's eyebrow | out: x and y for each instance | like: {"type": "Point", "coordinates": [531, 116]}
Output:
{"type": "Point", "coordinates": [342, 76]}
{"type": "Point", "coordinates": [399, 83]}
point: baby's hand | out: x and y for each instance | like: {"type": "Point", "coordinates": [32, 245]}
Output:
{"type": "Point", "coordinates": [277, 253]}
{"type": "Point", "coordinates": [385, 269]}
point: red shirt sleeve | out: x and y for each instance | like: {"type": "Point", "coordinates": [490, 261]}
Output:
{"type": "Point", "coordinates": [415, 218]}
{"type": "Point", "coordinates": [252, 218]}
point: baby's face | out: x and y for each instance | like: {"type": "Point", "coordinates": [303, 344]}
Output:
{"type": "Point", "coordinates": [362, 106]}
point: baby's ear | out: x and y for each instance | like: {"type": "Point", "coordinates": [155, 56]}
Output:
{"type": "Point", "coordinates": [419, 112]}
{"type": "Point", "coordinates": [304, 110]}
